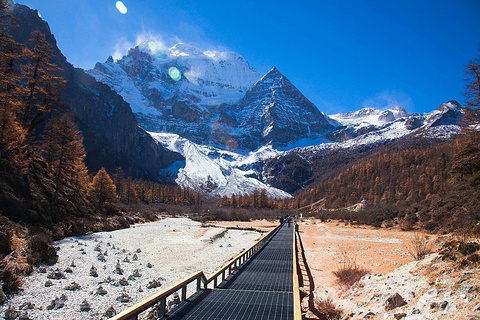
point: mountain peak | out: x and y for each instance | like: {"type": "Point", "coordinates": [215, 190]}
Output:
{"type": "Point", "coordinates": [273, 73]}
{"type": "Point", "coordinates": [185, 50]}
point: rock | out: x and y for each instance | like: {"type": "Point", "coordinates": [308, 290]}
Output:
{"type": "Point", "coordinates": [3, 297]}
{"type": "Point", "coordinates": [73, 286]}
{"type": "Point", "coordinates": [56, 275]}
{"type": "Point", "coordinates": [68, 270]}
{"type": "Point", "coordinates": [124, 297]}
{"type": "Point", "coordinates": [138, 250]}
{"type": "Point", "coordinates": [136, 273]}
{"type": "Point", "coordinates": [85, 306]}
{"type": "Point", "coordinates": [416, 311]}
{"type": "Point", "coordinates": [57, 303]}
{"type": "Point", "coordinates": [24, 316]}
{"type": "Point", "coordinates": [123, 282]}
{"type": "Point", "coordinates": [399, 316]}
{"type": "Point", "coordinates": [118, 269]}
{"type": "Point", "coordinates": [26, 306]}
{"type": "Point", "coordinates": [135, 257]}
{"type": "Point", "coordinates": [126, 259]}
{"type": "Point", "coordinates": [11, 313]}
{"type": "Point", "coordinates": [438, 304]}
{"type": "Point", "coordinates": [154, 284]}
{"type": "Point", "coordinates": [93, 272]}
{"type": "Point", "coordinates": [101, 257]}
{"type": "Point", "coordinates": [476, 308]}
{"type": "Point", "coordinates": [394, 301]}
{"type": "Point", "coordinates": [369, 315]}
{"type": "Point", "coordinates": [42, 270]}
{"type": "Point", "coordinates": [110, 312]}
{"type": "Point", "coordinates": [149, 265]}
{"type": "Point", "coordinates": [101, 291]}
{"type": "Point", "coordinates": [48, 283]}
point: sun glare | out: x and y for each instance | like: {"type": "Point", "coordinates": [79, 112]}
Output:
{"type": "Point", "coordinates": [175, 74]}
{"type": "Point", "coordinates": [121, 7]}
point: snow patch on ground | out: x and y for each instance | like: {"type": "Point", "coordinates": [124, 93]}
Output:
{"type": "Point", "coordinates": [174, 247]}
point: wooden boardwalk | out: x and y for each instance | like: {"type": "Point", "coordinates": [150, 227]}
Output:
{"type": "Point", "coordinates": [262, 288]}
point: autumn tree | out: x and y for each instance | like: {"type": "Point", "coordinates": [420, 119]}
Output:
{"type": "Point", "coordinates": [102, 188]}
{"type": "Point", "coordinates": [43, 80]}
{"type": "Point", "coordinates": [12, 135]}
{"type": "Point", "coordinates": [64, 154]}
{"type": "Point", "coordinates": [467, 159]}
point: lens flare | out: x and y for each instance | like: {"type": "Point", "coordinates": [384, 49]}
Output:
{"type": "Point", "coordinates": [175, 74]}
{"type": "Point", "coordinates": [121, 7]}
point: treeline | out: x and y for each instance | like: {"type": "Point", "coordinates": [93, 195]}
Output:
{"type": "Point", "coordinates": [258, 199]}
{"type": "Point", "coordinates": [130, 190]}
{"type": "Point", "coordinates": [435, 187]}
{"type": "Point", "coordinates": [390, 175]}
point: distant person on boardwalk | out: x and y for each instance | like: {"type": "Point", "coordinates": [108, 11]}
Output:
{"type": "Point", "coordinates": [289, 221]}
{"type": "Point", "coordinates": [281, 220]}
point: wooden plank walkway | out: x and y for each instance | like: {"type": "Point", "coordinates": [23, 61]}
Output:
{"type": "Point", "coordinates": [262, 288]}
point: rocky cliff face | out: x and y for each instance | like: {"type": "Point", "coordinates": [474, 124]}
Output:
{"type": "Point", "coordinates": [275, 112]}
{"type": "Point", "coordinates": [180, 89]}
{"type": "Point", "coordinates": [112, 137]}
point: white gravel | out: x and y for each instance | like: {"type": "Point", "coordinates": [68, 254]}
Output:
{"type": "Point", "coordinates": [176, 247]}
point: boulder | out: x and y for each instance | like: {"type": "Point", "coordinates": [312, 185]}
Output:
{"type": "Point", "coordinates": [394, 301]}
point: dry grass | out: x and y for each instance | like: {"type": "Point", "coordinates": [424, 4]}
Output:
{"type": "Point", "coordinates": [348, 272]}
{"type": "Point", "coordinates": [11, 274]}
{"type": "Point", "coordinates": [328, 309]}
{"type": "Point", "coordinates": [419, 246]}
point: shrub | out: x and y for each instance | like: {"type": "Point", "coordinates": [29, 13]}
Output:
{"type": "Point", "coordinates": [348, 272]}
{"type": "Point", "coordinates": [327, 308]}
{"type": "Point", "coordinates": [41, 250]}
{"type": "Point", "coordinates": [11, 274]}
{"type": "Point", "coordinates": [419, 246]}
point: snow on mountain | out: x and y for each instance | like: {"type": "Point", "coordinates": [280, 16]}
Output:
{"type": "Point", "coordinates": [216, 111]}
{"type": "Point", "coordinates": [369, 116]}
{"type": "Point", "coordinates": [181, 89]}
{"type": "Point", "coordinates": [363, 127]}
{"type": "Point", "coordinates": [217, 172]}
{"type": "Point", "coordinates": [275, 112]}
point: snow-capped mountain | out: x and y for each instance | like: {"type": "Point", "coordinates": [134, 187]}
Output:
{"type": "Point", "coordinates": [275, 112]}
{"type": "Point", "coordinates": [227, 121]}
{"type": "Point", "coordinates": [211, 98]}
{"type": "Point", "coordinates": [218, 172]}
{"type": "Point", "coordinates": [370, 124]}
{"type": "Point", "coordinates": [179, 89]}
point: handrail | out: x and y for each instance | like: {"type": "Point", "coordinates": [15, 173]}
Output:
{"type": "Point", "coordinates": [159, 299]}
{"type": "Point", "coordinates": [297, 308]}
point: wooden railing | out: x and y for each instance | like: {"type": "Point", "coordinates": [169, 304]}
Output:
{"type": "Point", "coordinates": [297, 308]}
{"type": "Point", "coordinates": [159, 301]}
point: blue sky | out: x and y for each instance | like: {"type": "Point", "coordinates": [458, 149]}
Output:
{"type": "Point", "coordinates": [342, 54]}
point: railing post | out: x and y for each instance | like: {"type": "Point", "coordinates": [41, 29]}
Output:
{"type": "Point", "coordinates": [184, 293]}
{"type": "Point", "coordinates": [199, 283]}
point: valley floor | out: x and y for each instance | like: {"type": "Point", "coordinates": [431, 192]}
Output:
{"type": "Point", "coordinates": [125, 263]}
{"type": "Point", "coordinates": [431, 288]}
{"type": "Point", "coordinates": [173, 248]}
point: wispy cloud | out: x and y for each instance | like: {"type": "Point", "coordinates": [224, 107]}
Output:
{"type": "Point", "coordinates": [389, 99]}
{"type": "Point", "coordinates": [121, 48]}
{"type": "Point", "coordinates": [155, 43]}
